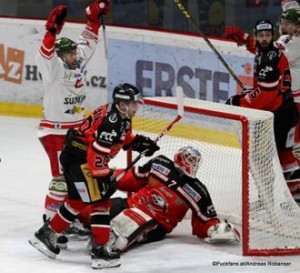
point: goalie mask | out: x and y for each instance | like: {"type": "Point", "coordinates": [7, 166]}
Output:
{"type": "Point", "coordinates": [187, 159]}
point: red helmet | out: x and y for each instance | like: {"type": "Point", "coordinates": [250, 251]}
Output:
{"type": "Point", "coordinates": [187, 159]}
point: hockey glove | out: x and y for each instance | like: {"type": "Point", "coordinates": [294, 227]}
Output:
{"type": "Point", "coordinates": [245, 91]}
{"type": "Point", "coordinates": [56, 19]}
{"type": "Point", "coordinates": [142, 143]}
{"type": "Point", "coordinates": [97, 9]}
{"type": "Point", "coordinates": [107, 185]}
{"type": "Point", "coordinates": [234, 100]}
{"type": "Point", "coordinates": [223, 232]}
{"type": "Point", "coordinates": [237, 35]}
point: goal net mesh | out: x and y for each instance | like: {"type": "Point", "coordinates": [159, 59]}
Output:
{"type": "Point", "coordinates": [239, 166]}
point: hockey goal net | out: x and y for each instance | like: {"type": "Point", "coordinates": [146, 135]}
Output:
{"type": "Point", "coordinates": [239, 166]}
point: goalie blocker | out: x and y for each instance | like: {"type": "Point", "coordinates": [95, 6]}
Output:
{"type": "Point", "coordinates": [165, 190]}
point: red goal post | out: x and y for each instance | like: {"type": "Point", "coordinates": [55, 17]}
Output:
{"type": "Point", "coordinates": [240, 167]}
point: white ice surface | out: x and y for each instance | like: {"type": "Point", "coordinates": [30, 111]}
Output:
{"type": "Point", "coordinates": [24, 178]}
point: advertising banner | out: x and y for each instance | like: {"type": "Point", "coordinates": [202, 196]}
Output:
{"type": "Point", "coordinates": [155, 61]}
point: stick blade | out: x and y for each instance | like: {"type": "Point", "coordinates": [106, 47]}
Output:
{"type": "Point", "coordinates": [179, 95]}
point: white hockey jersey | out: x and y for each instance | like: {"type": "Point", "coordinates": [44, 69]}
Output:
{"type": "Point", "coordinates": [291, 45]}
{"type": "Point", "coordinates": [65, 94]}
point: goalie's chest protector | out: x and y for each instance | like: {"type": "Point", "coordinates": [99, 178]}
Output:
{"type": "Point", "coordinates": [168, 194]}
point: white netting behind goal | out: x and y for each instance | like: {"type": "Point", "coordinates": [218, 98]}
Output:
{"type": "Point", "coordinates": [258, 196]}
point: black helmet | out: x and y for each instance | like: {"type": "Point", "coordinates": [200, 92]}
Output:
{"type": "Point", "coordinates": [261, 25]}
{"type": "Point", "coordinates": [126, 92]}
{"type": "Point", "coordinates": [64, 44]}
{"type": "Point", "coordinates": [292, 15]}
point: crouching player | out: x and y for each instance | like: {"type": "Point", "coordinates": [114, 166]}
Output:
{"type": "Point", "coordinates": [165, 190]}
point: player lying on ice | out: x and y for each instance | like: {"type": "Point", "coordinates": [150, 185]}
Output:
{"type": "Point", "coordinates": [165, 190]}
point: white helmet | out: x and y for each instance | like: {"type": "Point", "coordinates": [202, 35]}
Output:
{"type": "Point", "coordinates": [187, 159]}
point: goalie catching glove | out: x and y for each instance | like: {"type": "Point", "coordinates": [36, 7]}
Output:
{"type": "Point", "coordinates": [142, 143]}
{"type": "Point", "coordinates": [223, 232]}
{"type": "Point", "coordinates": [56, 19]}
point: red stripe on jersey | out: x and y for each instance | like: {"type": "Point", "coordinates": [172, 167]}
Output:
{"type": "Point", "coordinates": [268, 85]}
{"type": "Point", "coordinates": [48, 45]}
{"type": "Point", "coordinates": [59, 125]}
{"type": "Point", "coordinates": [296, 93]}
{"type": "Point", "coordinates": [100, 148]}
{"type": "Point", "coordinates": [140, 220]}
{"type": "Point", "coordinates": [47, 52]}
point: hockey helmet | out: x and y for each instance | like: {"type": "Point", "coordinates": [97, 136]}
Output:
{"type": "Point", "coordinates": [63, 45]}
{"type": "Point", "coordinates": [262, 25]}
{"type": "Point", "coordinates": [188, 159]}
{"type": "Point", "coordinates": [292, 15]}
{"type": "Point", "coordinates": [127, 93]}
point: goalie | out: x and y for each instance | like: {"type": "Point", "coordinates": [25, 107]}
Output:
{"type": "Point", "coordinates": [165, 190]}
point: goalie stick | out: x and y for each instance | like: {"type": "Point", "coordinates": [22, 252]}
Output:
{"type": "Point", "coordinates": [180, 110]}
{"type": "Point", "coordinates": [188, 16]}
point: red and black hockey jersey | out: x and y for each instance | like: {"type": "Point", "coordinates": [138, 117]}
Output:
{"type": "Point", "coordinates": [272, 80]}
{"type": "Point", "coordinates": [166, 194]}
{"type": "Point", "coordinates": [100, 137]}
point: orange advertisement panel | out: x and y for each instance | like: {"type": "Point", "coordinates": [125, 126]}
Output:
{"type": "Point", "coordinates": [15, 63]}
{"type": "Point", "coordinates": [3, 68]}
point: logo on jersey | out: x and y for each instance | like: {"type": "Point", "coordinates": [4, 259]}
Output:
{"type": "Point", "coordinates": [156, 201]}
{"type": "Point", "coordinates": [78, 83]}
{"type": "Point", "coordinates": [108, 136]}
{"type": "Point", "coordinates": [75, 100]}
{"type": "Point", "coordinates": [113, 118]}
{"type": "Point", "coordinates": [188, 189]}
{"type": "Point", "coordinates": [272, 55]}
{"type": "Point", "coordinates": [210, 210]}
{"type": "Point", "coordinates": [264, 71]}
{"type": "Point", "coordinates": [75, 110]}
{"type": "Point", "coordinates": [157, 167]}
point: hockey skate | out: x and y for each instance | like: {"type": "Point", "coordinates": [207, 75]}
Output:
{"type": "Point", "coordinates": [76, 231]}
{"type": "Point", "coordinates": [62, 241]}
{"type": "Point", "coordinates": [103, 257]}
{"type": "Point", "coordinates": [45, 241]}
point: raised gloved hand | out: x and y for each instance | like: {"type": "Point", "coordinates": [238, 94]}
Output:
{"type": "Point", "coordinates": [234, 100]}
{"type": "Point", "coordinates": [97, 9]}
{"type": "Point", "coordinates": [142, 143]}
{"type": "Point", "coordinates": [238, 35]}
{"type": "Point", "coordinates": [56, 19]}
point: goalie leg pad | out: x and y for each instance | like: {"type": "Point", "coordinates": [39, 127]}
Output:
{"type": "Point", "coordinates": [223, 232]}
{"type": "Point", "coordinates": [128, 227]}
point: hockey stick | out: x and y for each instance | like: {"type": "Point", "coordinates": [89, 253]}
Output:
{"type": "Point", "coordinates": [180, 110]}
{"type": "Point", "coordinates": [104, 36]}
{"type": "Point", "coordinates": [188, 16]}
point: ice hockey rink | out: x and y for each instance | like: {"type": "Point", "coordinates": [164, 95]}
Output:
{"type": "Point", "coordinates": [25, 174]}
